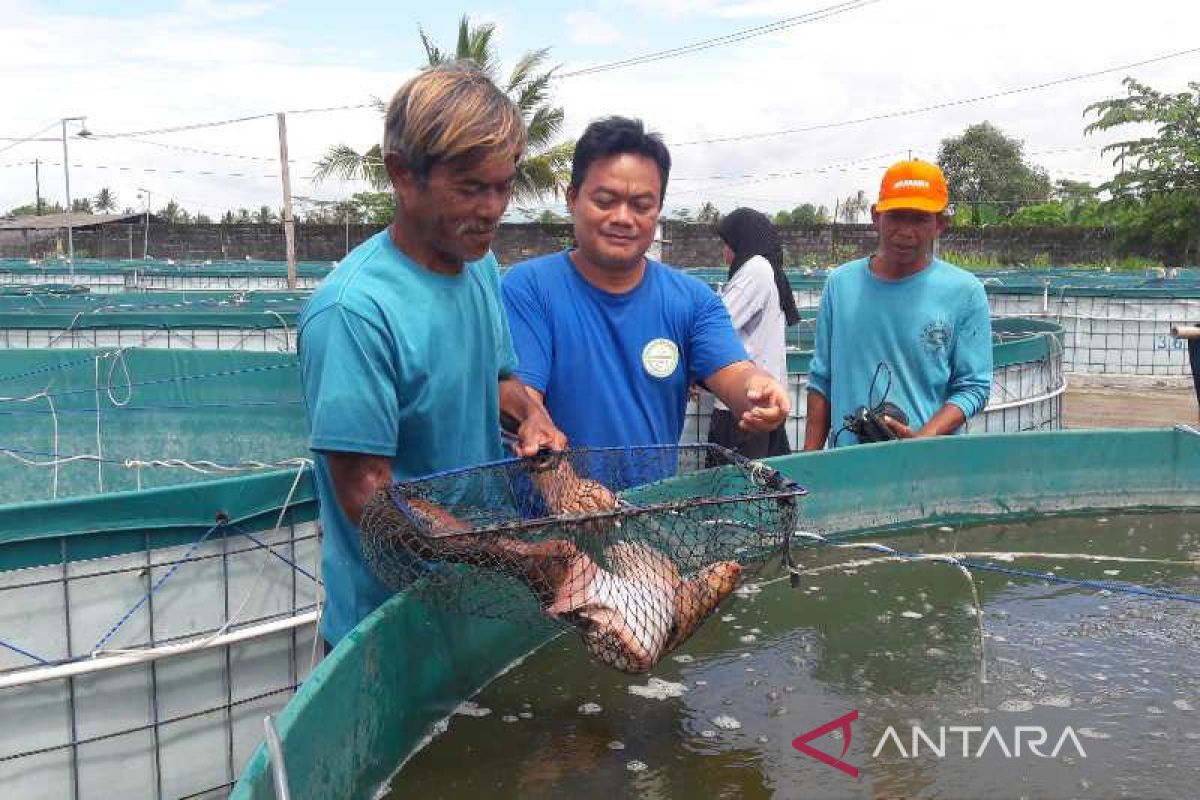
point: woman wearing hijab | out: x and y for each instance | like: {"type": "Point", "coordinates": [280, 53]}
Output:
{"type": "Point", "coordinates": [761, 304]}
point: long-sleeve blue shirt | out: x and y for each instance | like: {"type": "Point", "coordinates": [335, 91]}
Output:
{"type": "Point", "coordinates": [932, 329]}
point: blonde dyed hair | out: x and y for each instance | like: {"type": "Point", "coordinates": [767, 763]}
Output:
{"type": "Point", "coordinates": [448, 112]}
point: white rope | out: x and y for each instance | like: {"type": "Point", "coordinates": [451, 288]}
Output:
{"type": "Point", "coordinates": [202, 467]}
{"type": "Point", "coordinates": [45, 393]}
{"type": "Point", "coordinates": [118, 357]}
{"type": "Point", "coordinates": [205, 467]}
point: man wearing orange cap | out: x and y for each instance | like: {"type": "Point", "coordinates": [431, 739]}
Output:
{"type": "Point", "coordinates": [924, 320]}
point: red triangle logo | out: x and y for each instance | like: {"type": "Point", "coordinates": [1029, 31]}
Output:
{"type": "Point", "coordinates": [842, 723]}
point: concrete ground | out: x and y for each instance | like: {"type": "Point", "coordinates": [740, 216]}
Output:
{"type": "Point", "coordinates": [1109, 407]}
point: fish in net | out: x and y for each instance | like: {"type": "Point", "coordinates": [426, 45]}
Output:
{"type": "Point", "coordinates": [598, 538]}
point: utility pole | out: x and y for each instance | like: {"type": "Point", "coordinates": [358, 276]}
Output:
{"type": "Point", "coordinates": [67, 184]}
{"type": "Point", "coordinates": [37, 183]}
{"type": "Point", "coordinates": [146, 226]}
{"type": "Point", "coordinates": [289, 222]}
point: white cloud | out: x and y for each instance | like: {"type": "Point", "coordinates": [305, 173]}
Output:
{"type": "Point", "coordinates": [182, 67]}
{"type": "Point", "coordinates": [857, 65]}
{"type": "Point", "coordinates": [588, 27]}
{"type": "Point", "coordinates": [173, 69]}
{"type": "Point", "coordinates": [225, 12]}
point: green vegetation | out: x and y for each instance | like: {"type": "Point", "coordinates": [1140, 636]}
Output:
{"type": "Point", "coordinates": [988, 176]}
{"type": "Point", "coordinates": [545, 168]}
{"type": "Point", "coordinates": [805, 214]}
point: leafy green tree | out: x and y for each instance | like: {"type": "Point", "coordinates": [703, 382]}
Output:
{"type": "Point", "coordinates": [83, 205]}
{"type": "Point", "coordinates": [546, 166]}
{"type": "Point", "coordinates": [265, 216]}
{"type": "Point", "coordinates": [1157, 187]}
{"type": "Point", "coordinates": [783, 217]}
{"type": "Point", "coordinates": [808, 214]}
{"type": "Point", "coordinates": [984, 165]}
{"type": "Point", "coordinates": [1040, 214]}
{"type": "Point", "coordinates": [105, 201]}
{"type": "Point", "coordinates": [203, 219]}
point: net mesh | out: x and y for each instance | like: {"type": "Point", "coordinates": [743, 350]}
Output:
{"type": "Point", "coordinates": [594, 538]}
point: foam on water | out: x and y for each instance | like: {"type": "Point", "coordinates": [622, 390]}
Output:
{"type": "Point", "coordinates": [1121, 672]}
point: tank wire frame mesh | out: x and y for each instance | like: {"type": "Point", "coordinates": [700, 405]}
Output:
{"type": "Point", "coordinates": [596, 538]}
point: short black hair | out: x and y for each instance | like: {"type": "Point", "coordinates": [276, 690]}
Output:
{"type": "Point", "coordinates": [613, 136]}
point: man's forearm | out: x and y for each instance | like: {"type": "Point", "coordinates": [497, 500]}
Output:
{"type": "Point", "coordinates": [518, 401]}
{"type": "Point", "coordinates": [816, 425]}
{"type": "Point", "coordinates": [356, 477]}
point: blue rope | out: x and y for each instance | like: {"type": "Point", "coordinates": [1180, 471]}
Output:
{"type": "Point", "coordinates": [182, 378]}
{"type": "Point", "coordinates": [25, 653]}
{"type": "Point", "coordinates": [51, 368]}
{"type": "Point", "coordinates": [164, 407]}
{"type": "Point", "coordinates": [278, 555]}
{"type": "Point", "coordinates": [146, 597]}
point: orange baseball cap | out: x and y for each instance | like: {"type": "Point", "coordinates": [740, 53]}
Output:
{"type": "Point", "coordinates": [913, 185]}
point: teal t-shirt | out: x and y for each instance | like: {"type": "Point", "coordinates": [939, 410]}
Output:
{"type": "Point", "coordinates": [401, 362]}
{"type": "Point", "coordinates": [933, 330]}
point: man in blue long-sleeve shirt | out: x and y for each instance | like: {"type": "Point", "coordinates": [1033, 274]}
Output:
{"type": "Point", "coordinates": [926, 320]}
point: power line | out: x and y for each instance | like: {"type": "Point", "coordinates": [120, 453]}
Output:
{"type": "Point", "coordinates": [33, 137]}
{"type": "Point", "coordinates": [764, 176]}
{"type": "Point", "coordinates": [184, 149]}
{"type": "Point", "coordinates": [937, 106]}
{"type": "Point", "coordinates": [730, 38]}
{"type": "Point", "coordinates": [163, 171]}
{"type": "Point", "coordinates": [856, 165]}
{"type": "Point", "coordinates": [231, 121]}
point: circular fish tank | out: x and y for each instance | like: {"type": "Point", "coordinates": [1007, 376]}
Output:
{"type": "Point", "coordinates": [261, 321]}
{"type": "Point", "coordinates": [1028, 381]}
{"type": "Point", "coordinates": [159, 576]}
{"type": "Point", "coordinates": [974, 615]}
{"type": "Point", "coordinates": [137, 275]}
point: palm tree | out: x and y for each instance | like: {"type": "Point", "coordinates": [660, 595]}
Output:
{"type": "Point", "coordinates": [105, 201]}
{"type": "Point", "coordinates": [545, 168]}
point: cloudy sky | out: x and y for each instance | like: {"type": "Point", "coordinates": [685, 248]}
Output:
{"type": "Point", "coordinates": [139, 66]}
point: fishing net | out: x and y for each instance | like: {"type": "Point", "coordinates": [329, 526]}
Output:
{"type": "Point", "coordinates": [598, 538]}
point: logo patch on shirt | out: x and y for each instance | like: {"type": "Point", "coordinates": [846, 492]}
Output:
{"type": "Point", "coordinates": [936, 336]}
{"type": "Point", "coordinates": [660, 357]}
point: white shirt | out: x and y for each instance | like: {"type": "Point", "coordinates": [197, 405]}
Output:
{"type": "Point", "coordinates": [752, 300]}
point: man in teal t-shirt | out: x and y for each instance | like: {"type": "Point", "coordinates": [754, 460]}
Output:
{"type": "Point", "coordinates": [925, 320]}
{"type": "Point", "coordinates": [405, 353]}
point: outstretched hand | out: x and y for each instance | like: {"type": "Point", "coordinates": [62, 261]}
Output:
{"type": "Point", "coordinates": [769, 404]}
